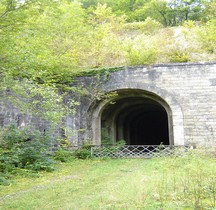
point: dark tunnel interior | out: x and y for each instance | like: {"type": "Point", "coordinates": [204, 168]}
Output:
{"type": "Point", "coordinates": [146, 126]}
{"type": "Point", "coordinates": [137, 120]}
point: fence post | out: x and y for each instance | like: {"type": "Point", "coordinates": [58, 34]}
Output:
{"type": "Point", "coordinates": [92, 151]}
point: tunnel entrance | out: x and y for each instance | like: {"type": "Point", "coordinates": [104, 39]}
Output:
{"type": "Point", "coordinates": [139, 119]}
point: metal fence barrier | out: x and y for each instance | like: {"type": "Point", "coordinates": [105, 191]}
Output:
{"type": "Point", "coordinates": [137, 151]}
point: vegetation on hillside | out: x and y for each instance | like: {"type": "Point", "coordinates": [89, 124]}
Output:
{"type": "Point", "coordinates": [51, 40]}
{"type": "Point", "coordinates": [45, 43]}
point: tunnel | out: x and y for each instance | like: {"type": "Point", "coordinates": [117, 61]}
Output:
{"type": "Point", "coordinates": [137, 118]}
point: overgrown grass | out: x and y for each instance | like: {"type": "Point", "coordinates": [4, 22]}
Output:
{"type": "Point", "coordinates": [186, 182]}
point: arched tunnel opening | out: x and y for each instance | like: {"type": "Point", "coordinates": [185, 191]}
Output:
{"type": "Point", "coordinates": [139, 120]}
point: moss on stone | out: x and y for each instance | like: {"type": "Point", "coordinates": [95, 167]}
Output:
{"type": "Point", "coordinates": [101, 71]}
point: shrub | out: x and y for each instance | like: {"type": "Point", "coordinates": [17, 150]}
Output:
{"type": "Point", "coordinates": [207, 36]}
{"type": "Point", "coordinates": [84, 152]}
{"type": "Point", "coordinates": [141, 55]}
{"type": "Point", "coordinates": [4, 179]}
{"type": "Point", "coordinates": [26, 149]}
{"type": "Point", "coordinates": [121, 143]}
{"type": "Point", "coordinates": [149, 26]}
{"type": "Point", "coordinates": [63, 154]}
{"type": "Point", "coordinates": [179, 57]}
{"type": "Point", "coordinates": [41, 165]}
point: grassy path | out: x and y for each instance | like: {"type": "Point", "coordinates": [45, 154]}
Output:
{"type": "Point", "coordinates": [108, 184]}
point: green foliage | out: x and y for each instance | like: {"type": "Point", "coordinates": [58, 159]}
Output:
{"type": "Point", "coordinates": [99, 71]}
{"type": "Point", "coordinates": [140, 54]}
{"type": "Point", "coordinates": [68, 153]}
{"type": "Point", "coordinates": [63, 154]}
{"type": "Point", "coordinates": [179, 57]}
{"type": "Point", "coordinates": [184, 10]}
{"type": "Point", "coordinates": [41, 100]}
{"type": "Point", "coordinates": [121, 143]}
{"type": "Point", "coordinates": [24, 149]}
{"type": "Point", "coordinates": [39, 51]}
{"type": "Point", "coordinates": [207, 36]}
{"type": "Point", "coordinates": [149, 26]}
{"type": "Point", "coordinates": [4, 180]}
{"type": "Point", "coordinates": [84, 152]}
{"type": "Point", "coordinates": [157, 10]}
{"type": "Point", "coordinates": [169, 13]}
{"type": "Point", "coordinates": [49, 42]}
{"type": "Point", "coordinates": [7, 162]}
{"type": "Point", "coordinates": [210, 11]}
{"type": "Point", "coordinates": [46, 43]}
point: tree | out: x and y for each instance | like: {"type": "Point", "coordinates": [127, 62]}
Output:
{"type": "Point", "coordinates": [184, 10]}
{"type": "Point", "coordinates": [210, 12]}
{"type": "Point", "coordinates": [31, 43]}
{"type": "Point", "coordinates": [171, 13]}
{"type": "Point", "coordinates": [207, 36]}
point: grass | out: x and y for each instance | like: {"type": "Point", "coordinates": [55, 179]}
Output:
{"type": "Point", "coordinates": [186, 182]}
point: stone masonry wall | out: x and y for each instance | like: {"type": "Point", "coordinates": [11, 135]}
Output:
{"type": "Point", "coordinates": [188, 89]}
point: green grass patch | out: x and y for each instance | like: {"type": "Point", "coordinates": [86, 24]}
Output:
{"type": "Point", "coordinates": [186, 182]}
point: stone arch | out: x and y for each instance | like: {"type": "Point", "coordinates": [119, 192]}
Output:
{"type": "Point", "coordinates": [164, 103]}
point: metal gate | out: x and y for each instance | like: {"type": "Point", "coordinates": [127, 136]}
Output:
{"type": "Point", "coordinates": [137, 151]}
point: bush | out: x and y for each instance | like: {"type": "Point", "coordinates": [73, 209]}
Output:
{"type": "Point", "coordinates": [84, 152]}
{"type": "Point", "coordinates": [179, 57]}
{"type": "Point", "coordinates": [63, 154]}
{"type": "Point", "coordinates": [141, 55]}
{"type": "Point", "coordinates": [8, 161]}
{"type": "Point", "coordinates": [66, 154]}
{"type": "Point", "coordinates": [121, 143]}
{"type": "Point", "coordinates": [207, 36]}
{"type": "Point", "coordinates": [26, 149]}
{"type": "Point", "coordinates": [149, 26]}
{"type": "Point", "coordinates": [41, 165]}
{"type": "Point", "coordinates": [4, 179]}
